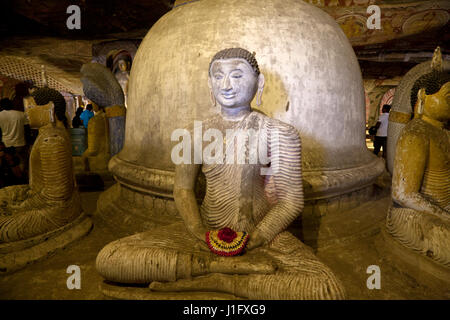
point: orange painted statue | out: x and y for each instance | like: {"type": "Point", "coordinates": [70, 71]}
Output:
{"type": "Point", "coordinates": [420, 214]}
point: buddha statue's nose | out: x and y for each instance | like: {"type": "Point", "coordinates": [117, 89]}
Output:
{"type": "Point", "coordinates": [226, 85]}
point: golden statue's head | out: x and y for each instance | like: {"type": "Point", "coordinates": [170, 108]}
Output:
{"type": "Point", "coordinates": [47, 106]}
{"type": "Point", "coordinates": [95, 107]}
{"type": "Point", "coordinates": [234, 78]}
{"type": "Point", "coordinates": [430, 95]}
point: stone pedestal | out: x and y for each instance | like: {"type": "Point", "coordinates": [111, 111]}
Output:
{"type": "Point", "coordinates": [421, 268]}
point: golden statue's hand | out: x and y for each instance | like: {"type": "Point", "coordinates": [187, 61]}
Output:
{"type": "Point", "coordinates": [256, 240]}
{"type": "Point", "coordinates": [199, 233]}
{"type": "Point", "coordinates": [201, 245]}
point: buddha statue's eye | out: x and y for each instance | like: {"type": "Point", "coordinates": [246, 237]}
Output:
{"type": "Point", "coordinates": [218, 76]}
{"type": "Point", "coordinates": [236, 75]}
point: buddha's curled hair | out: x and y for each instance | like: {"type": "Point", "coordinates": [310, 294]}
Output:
{"type": "Point", "coordinates": [45, 95]}
{"type": "Point", "coordinates": [431, 82]}
{"type": "Point", "coordinates": [231, 53]}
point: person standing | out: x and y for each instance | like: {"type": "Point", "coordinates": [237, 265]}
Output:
{"type": "Point", "coordinates": [381, 135]}
{"type": "Point", "coordinates": [12, 124]}
{"type": "Point", "coordinates": [10, 171]}
{"type": "Point", "coordinates": [86, 115]}
{"type": "Point", "coordinates": [76, 121]}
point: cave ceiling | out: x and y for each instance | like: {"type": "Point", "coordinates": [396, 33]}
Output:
{"type": "Point", "coordinates": [35, 32]}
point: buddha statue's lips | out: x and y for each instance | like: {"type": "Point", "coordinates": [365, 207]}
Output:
{"type": "Point", "coordinates": [228, 95]}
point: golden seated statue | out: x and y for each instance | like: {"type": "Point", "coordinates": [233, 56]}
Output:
{"type": "Point", "coordinates": [101, 87]}
{"type": "Point", "coordinates": [36, 215]}
{"type": "Point", "coordinates": [419, 217]}
{"type": "Point", "coordinates": [275, 264]}
{"type": "Point", "coordinates": [96, 156]}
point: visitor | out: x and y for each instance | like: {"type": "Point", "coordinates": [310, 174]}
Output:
{"type": "Point", "coordinates": [86, 115]}
{"type": "Point", "coordinates": [28, 102]}
{"type": "Point", "coordinates": [10, 171]}
{"type": "Point", "coordinates": [12, 124]}
{"type": "Point", "coordinates": [381, 135]}
{"type": "Point", "coordinates": [76, 121]}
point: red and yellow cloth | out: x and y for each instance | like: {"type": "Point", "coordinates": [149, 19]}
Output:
{"type": "Point", "coordinates": [226, 241]}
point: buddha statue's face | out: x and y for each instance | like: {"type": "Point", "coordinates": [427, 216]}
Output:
{"type": "Point", "coordinates": [39, 115]}
{"type": "Point", "coordinates": [437, 105]}
{"type": "Point", "coordinates": [31, 90]}
{"type": "Point", "coordinates": [95, 107]}
{"type": "Point", "coordinates": [123, 65]}
{"type": "Point", "coordinates": [233, 82]}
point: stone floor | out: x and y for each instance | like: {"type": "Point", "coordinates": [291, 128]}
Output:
{"type": "Point", "coordinates": [47, 279]}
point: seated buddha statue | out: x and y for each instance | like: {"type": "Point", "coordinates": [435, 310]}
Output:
{"type": "Point", "coordinates": [419, 217]}
{"type": "Point", "coordinates": [236, 241]}
{"type": "Point", "coordinates": [119, 62]}
{"type": "Point", "coordinates": [51, 200]}
{"type": "Point", "coordinates": [101, 87]}
{"type": "Point", "coordinates": [96, 156]}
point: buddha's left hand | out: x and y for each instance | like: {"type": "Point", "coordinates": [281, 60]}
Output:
{"type": "Point", "coordinates": [256, 240]}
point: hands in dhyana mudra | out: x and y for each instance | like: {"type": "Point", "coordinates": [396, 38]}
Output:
{"type": "Point", "coordinates": [199, 232]}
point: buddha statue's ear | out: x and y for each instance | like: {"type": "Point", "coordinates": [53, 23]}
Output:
{"type": "Point", "coordinates": [436, 62]}
{"type": "Point", "coordinates": [421, 95]}
{"type": "Point", "coordinates": [44, 76]}
{"type": "Point", "coordinates": [51, 111]}
{"type": "Point", "coordinates": [261, 83]}
{"type": "Point", "coordinates": [211, 93]}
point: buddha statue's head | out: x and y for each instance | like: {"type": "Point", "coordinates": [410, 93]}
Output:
{"type": "Point", "coordinates": [48, 106]}
{"type": "Point", "coordinates": [123, 65]}
{"type": "Point", "coordinates": [95, 107]}
{"type": "Point", "coordinates": [118, 61]}
{"type": "Point", "coordinates": [430, 96]}
{"type": "Point", "coordinates": [234, 78]}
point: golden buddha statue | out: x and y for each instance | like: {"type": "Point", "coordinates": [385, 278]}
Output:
{"type": "Point", "coordinates": [101, 87]}
{"type": "Point", "coordinates": [51, 202]}
{"type": "Point", "coordinates": [119, 62]}
{"type": "Point", "coordinates": [96, 156]}
{"type": "Point", "coordinates": [419, 217]}
{"type": "Point", "coordinates": [240, 203]}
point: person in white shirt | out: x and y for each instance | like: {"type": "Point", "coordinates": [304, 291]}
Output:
{"type": "Point", "coordinates": [381, 135]}
{"type": "Point", "coordinates": [12, 124]}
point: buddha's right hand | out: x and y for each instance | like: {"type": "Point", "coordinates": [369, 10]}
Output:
{"type": "Point", "coordinates": [200, 234]}
{"type": "Point", "coordinates": [201, 245]}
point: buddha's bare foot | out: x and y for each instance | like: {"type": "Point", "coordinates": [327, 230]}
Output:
{"type": "Point", "coordinates": [242, 265]}
{"type": "Point", "coordinates": [211, 282]}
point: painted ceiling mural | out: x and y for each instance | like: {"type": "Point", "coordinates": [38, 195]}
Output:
{"type": "Point", "coordinates": [399, 18]}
